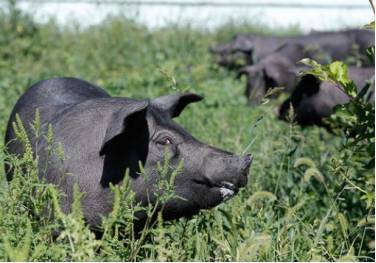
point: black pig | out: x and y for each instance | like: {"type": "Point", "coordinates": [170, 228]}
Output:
{"type": "Point", "coordinates": [102, 136]}
{"type": "Point", "coordinates": [313, 99]}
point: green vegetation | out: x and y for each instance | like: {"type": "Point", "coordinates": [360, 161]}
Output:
{"type": "Point", "coordinates": [309, 197]}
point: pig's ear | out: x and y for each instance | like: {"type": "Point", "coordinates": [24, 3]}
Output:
{"type": "Point", "coordinates": [128, 122]}
{"type": "Point", "coordinates": [173, 105]}
{"type": "Point", "coordinates": [271, 73]}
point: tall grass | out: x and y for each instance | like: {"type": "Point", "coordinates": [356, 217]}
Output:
{"type": "Point", "coordinates": [298, 206]}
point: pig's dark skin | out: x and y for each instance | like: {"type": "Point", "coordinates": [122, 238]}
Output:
{"type": "Point", "coordinates": [313, 100]}
{"type": "Point", "coordinates": [278, 69]}
{"type": "Point", "coordinates": [272, 71]}
{"type": "Point", "coordinates": [102, 136]}
{"type": "Point", "coordinates": [339, 45]}
{"type": "Point", "coordinates": [334, 45]}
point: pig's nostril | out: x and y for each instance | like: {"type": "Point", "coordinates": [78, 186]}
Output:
{"type": "Point", "coordinates": [247, 161]}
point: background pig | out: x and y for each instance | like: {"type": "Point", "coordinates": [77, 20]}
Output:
{"type": "Point", "coordinates": [272, 71]}
{"type": "Point", "coordinates": [102, 136]}
{"type": "Point", "coordinates": [313, 100]}
{"type": "Point", "coordinates": [251, 47]}
{"type": "Point", "coordinates": [278, 69]}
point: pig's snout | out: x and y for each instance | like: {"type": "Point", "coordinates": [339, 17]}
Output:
{"type": "Point", "coordinates": [223, 175]}
{"type": "Point", "coordinates": [244, 165]}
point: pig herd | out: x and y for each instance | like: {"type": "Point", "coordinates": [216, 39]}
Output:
{"type": "Point", "coordinates": [271, 61]}
{"type": "Point", "coordinates": [104, 136]}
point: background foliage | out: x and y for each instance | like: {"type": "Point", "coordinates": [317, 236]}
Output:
{"type": "Point", "coordinates": [305, 199]}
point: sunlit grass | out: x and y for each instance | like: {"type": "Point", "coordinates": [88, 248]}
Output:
{"type": "Point", "coordinates": [287, 211]}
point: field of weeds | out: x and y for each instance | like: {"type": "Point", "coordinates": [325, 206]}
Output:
{"type": "Point", "coordinates": [308, 197]}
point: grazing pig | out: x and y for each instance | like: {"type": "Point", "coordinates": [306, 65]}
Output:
{"type": "Point", "coordinates": [249, 47]}
{"type": "Point", "coordinates": [278, 69]}
{"type": "Point", "coordinates": [273, 71]}
{"type": "Point", "coordinates": [103, 136]}
{"type": "Point", "coordinates": [313, 100]}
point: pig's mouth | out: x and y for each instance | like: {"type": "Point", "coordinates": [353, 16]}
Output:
{"type": "Point", "coordinates": [227, 189]}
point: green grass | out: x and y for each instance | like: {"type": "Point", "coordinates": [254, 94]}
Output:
{"type": "Point", "coordinates": [307, 196]}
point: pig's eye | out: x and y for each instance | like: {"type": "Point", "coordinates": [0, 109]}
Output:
{"type": "Point", "coordinates": [164, 141]}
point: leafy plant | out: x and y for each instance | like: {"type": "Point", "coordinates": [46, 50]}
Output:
{"type": "Point", "coordinates": [355, 122]}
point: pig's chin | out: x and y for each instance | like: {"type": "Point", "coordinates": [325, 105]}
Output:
{"type": "Point", "coordinates": [227, 190]}
{"type": "Point", "coordinates": [223, 191]}
{"type": "Point", "coordinates": [226, 193]}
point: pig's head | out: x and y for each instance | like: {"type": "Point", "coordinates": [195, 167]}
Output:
{"type": "Point", "coordinates": [307, 87]}
{"type": "Point", "coordinates": [238, 52]}
{"type": "Point", "coordinates": [273, 71]}
{"type": "Point", "coordinates": [147, 134]}
{"type": "Point", "coordinates": [233, 61]}
{"type": "Point", "coordinates": [239, 43]}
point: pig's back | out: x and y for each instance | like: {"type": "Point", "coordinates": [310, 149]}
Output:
{"type": "Point", "coordinates": [51, 98]}
{"type": "Point", "coordinates": [54, 95]}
